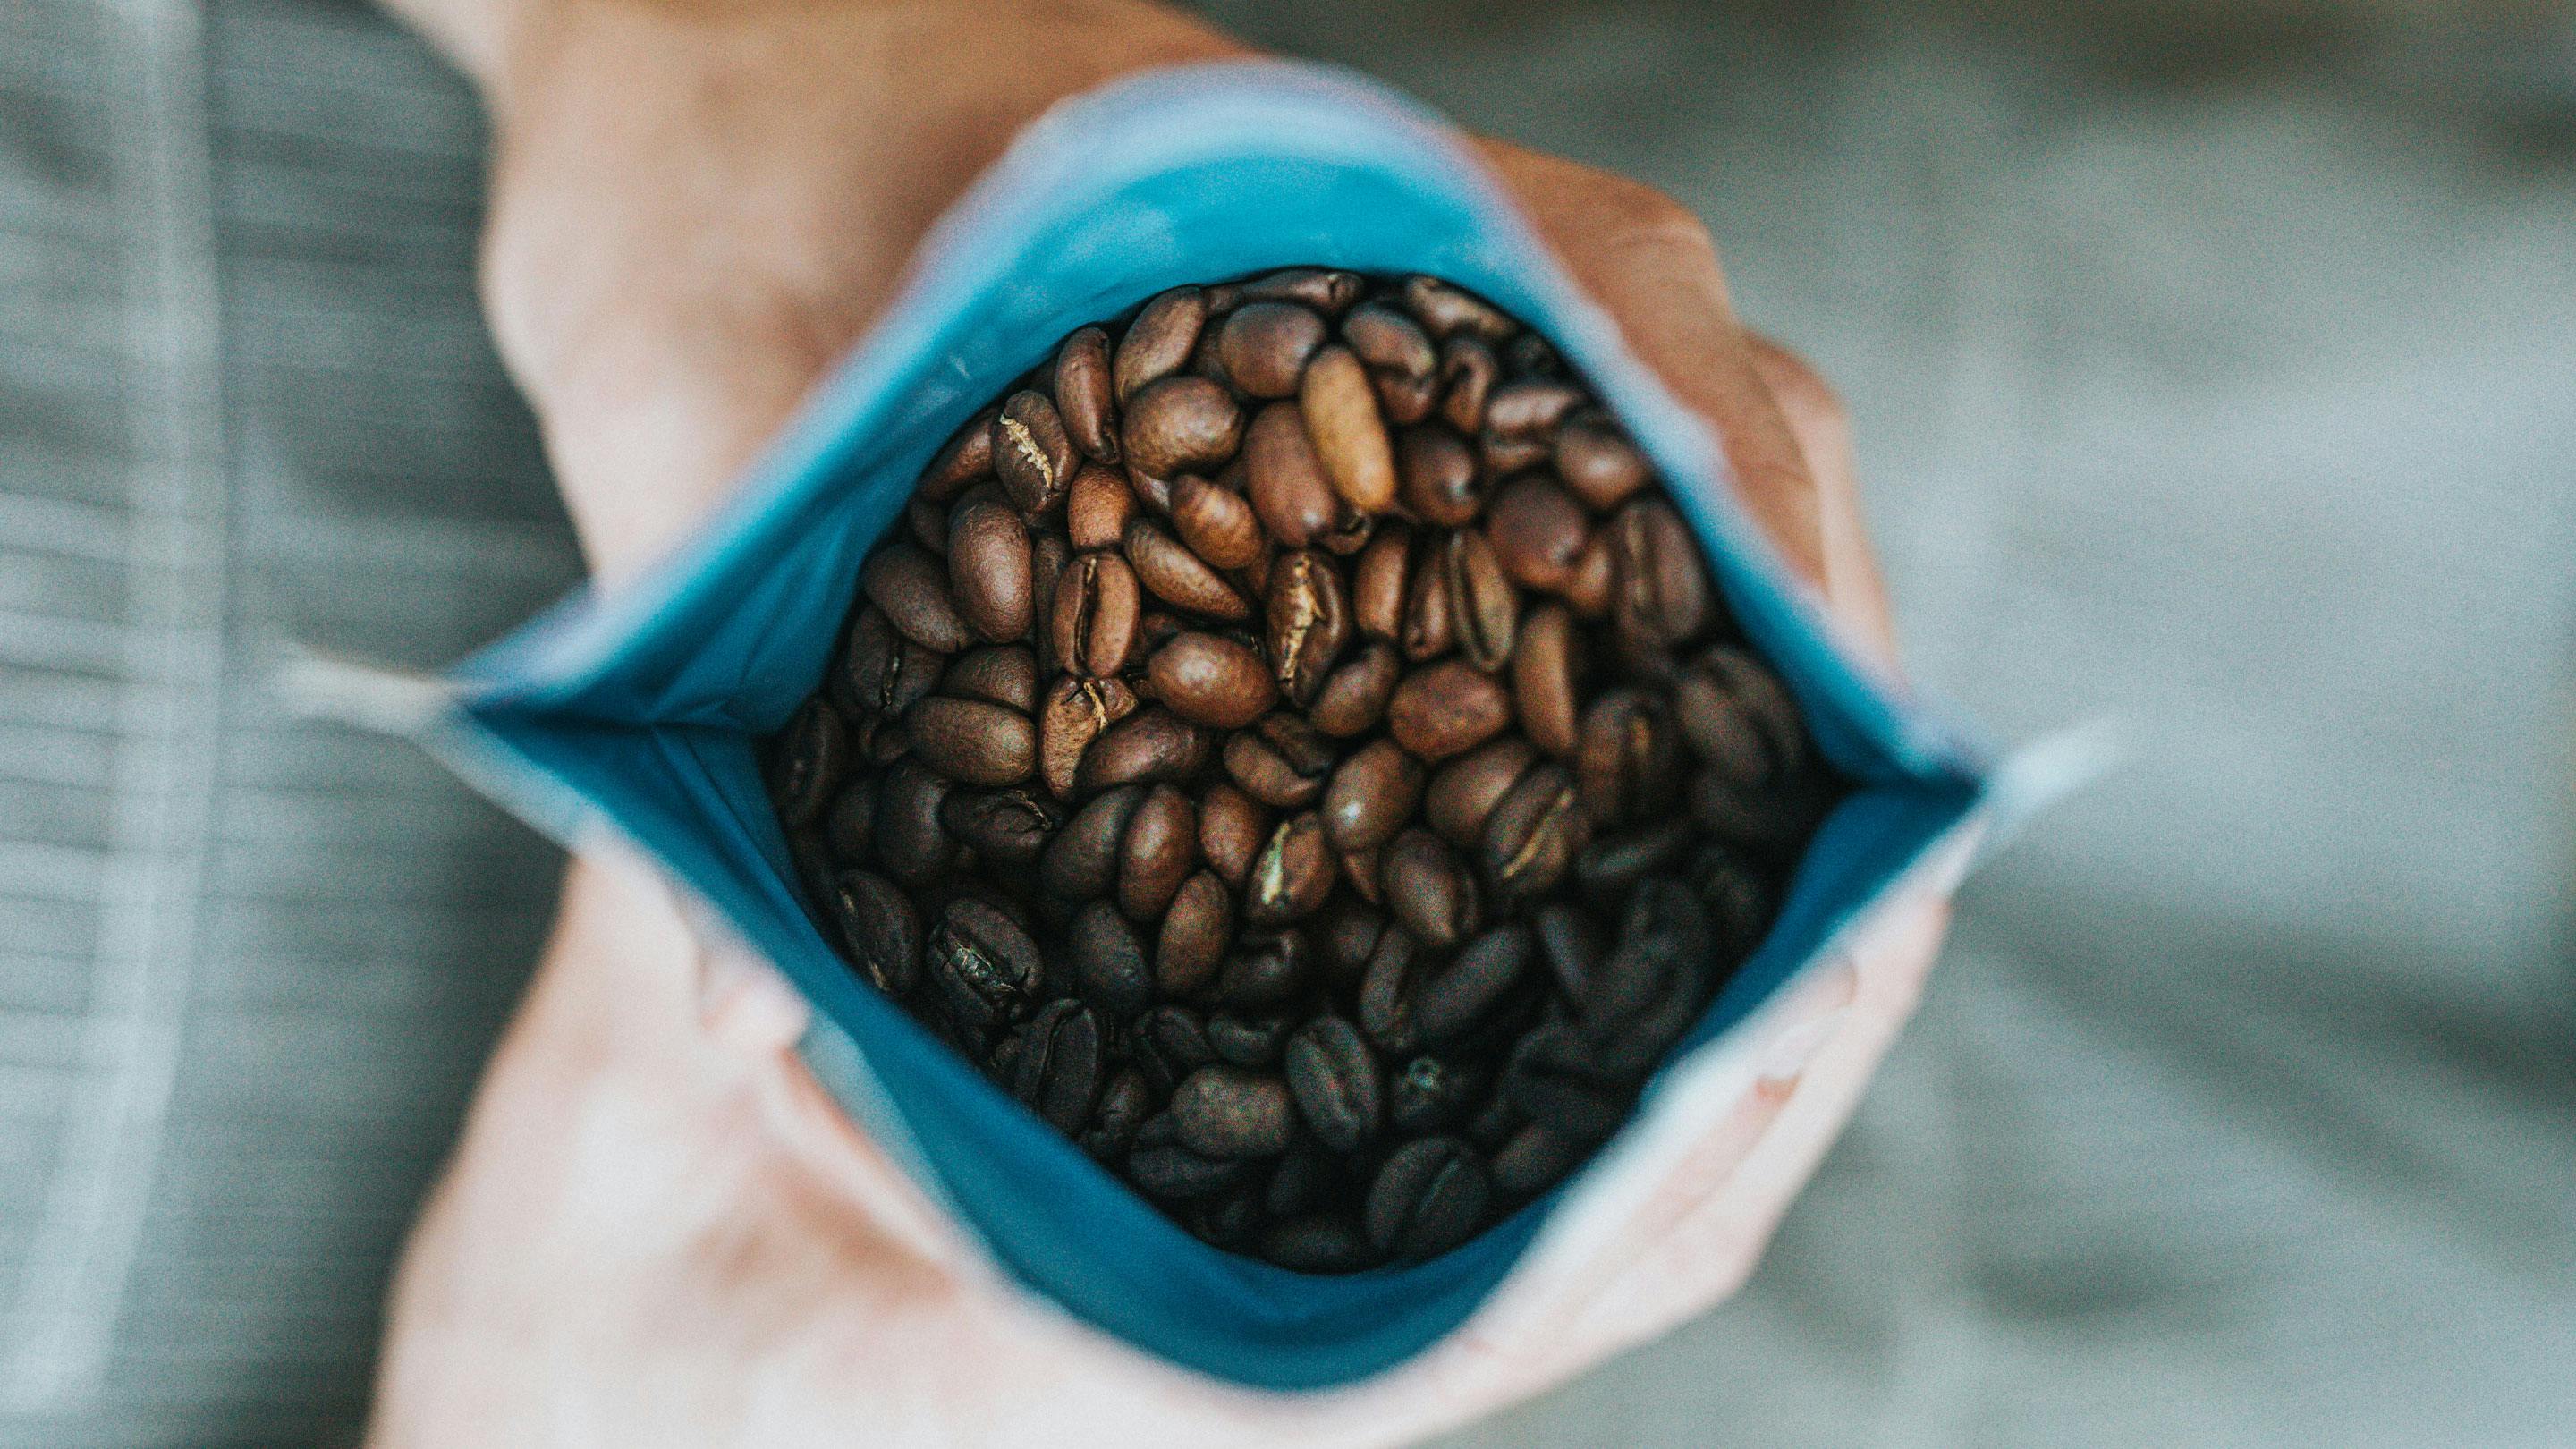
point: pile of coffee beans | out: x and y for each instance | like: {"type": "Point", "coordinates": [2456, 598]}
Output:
{"type": "Point", "coordinates": [1294, 745]}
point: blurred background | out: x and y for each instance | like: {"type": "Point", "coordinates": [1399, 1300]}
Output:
{"type": "Point", "coordinates": [2213, 369]}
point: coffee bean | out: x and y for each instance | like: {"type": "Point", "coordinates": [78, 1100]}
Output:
{"type": "Point", "coordinates": [1451, 1002]}
{"type": "Point", "coordinates": [1264, 347]}
{"type": "Point", "coordinates": [1598, 462]}
{"type": "Point", "coordinates": [1179, 424]}
{"type": "Point", "coordinates": [911, 588]}
{"type": "Point", "coordinates": [1538, 532]}
{"type": "Point", "coordinates": [1462, 794]}
{"type": "Point", "coordinates": [1308, 615]}
{"type": "Point", "coordinates": [1342, 421]}
{"type": "Point", "coordinates": [1535, 1159]}
{"type": "Point", "coordinates": [1292, 875]}
{"type": "Point", "coordinates": [1468, 372]}
{"type": "Point", "coordinates": [807, 763]}
{"type": "Point", "coordinates": [1253, 1042]}
{"type": "Point", "coordinates": [1007, 826]}
{"type": "Point", "coordinates": [1354, 696]}
{"type": "Point", "coordinates": [1232, 829]}
{"type": "Point", "coordinates": [1097, 507]}
{"type": "Point", "coordinates": [1432, 1094]}
{"type": "Point", "coordinates": [1158, 341]}
{"type": "Point", "coordinates": [1124, 1105]}
{"type": "Point", "coordinates": [1167, 1044]}
{"type": "Point", "coordinates": [1081, 863]}
{"type": "Point", "coordinates": [1315, 1243]}
{"type": "Point", "coordinates": [1447, 709]}
{"type": "Point", "coordinates": [1627, 758]}
{"type": "Point", "coordinates": [973, 740]}
{"type": "Point", "coordinates": [1371, 795]}
{"type": "Point", "coordinates": [1544, 679]}
{"type": "Point", "coordinates": [1032, 453]}
{"type": "Point", "coordinates": [1552, 1078]}
{"type": "Point", "coordinates": [1590, 590]}
{"type": "Point", "coordinates": [989, 562]}
{"type": "Point", "coordinates": [1159, 852]}
{"type": "Point", "coordinates": [1379, 581]}
{"type": "Point", "coordinates": [1495, 1122]}
{"type": "Point", "coordinates": [1533, 836]}
{"type": "Point", "coordinates": [1075, 713]}
{"type": "Point", "coordinates": [1285, 480]}
{"type": "Point", "coordinates": [1082, 386]}
{"type": "Point", "coordinates": [1227, 1220]}
{"type": "Point", "coordinates": [1095, 612]}
{"type": "Point", "coordinates": [1608, 868]}
{"type": "Point", "coordinates": [879, 928]}
{"type": "Point", "coordinates": [1498, 456]}
{"type": "Point", "coordinates": [1528, 407]}
{"type": "Point", "coordinates": [1060, 1066]}
{"type": "Point", "coordinates": [1484, 611]}
{"type": "Point", "coordinates": [1212, 680]}
{"type": "Point", "coordinates": [1400, 359]}
{"type": "Point", "coordinates": [912, 844]}
{"type": "Point", "coordinates": [1740, 901]}
{"type": "Point", "coordinates": [1738, 717]}
{"type": "Point", "coordinates": [1151, 746]}
{"type": "Point", "coordinates": [1661, 594]}
{"type": "Point", "coordinates": [1179, 577]}
{"type": "Point", "coordinates": [881, 672]}
{"type": "Point", "coordinates": [1430, 621]}
{"type": "Point", "coordinates": [1329, 291]}
{"type": "Point", "coordinates": [1428, 890]}
{"type": "Point", "coordinates": [1446, 309]}
{"type": "Point", "coordinates": [962, 461]}
{"type": "Point", "coordinates": [1174, 1173]}
{"type": "Point", "coordinates": [1109, 966]}
{"type": "Point", "coordinates": [927, 522]}
{"type": "Point", "coordinates": [1386, 992]}
{"type": "Point", "coordinates": [1282, 762]}
{"type": "Point", "coordinates": [1570, 943]}
{"type": "Point", "coordinates": [1195, 934]}
{"type": "Point", "coordinates": [1437, 479]}
{"type": "Point", "coordinates": [1217, 523]}
{"type": "Point", "coordinates": [1334, 1077]}
{"type": "Point", "coordinates": [850, 825]}
{"type": "Point", "coordinates": [1430, 1196]}
{"type": "Point", "coordinates": [985, 965]}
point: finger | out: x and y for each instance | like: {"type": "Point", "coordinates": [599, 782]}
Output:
{"type": "Point", "coordinates": [1822, 428]}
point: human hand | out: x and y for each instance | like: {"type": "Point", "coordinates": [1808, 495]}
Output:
{"type": "Point", "coordinates": [657, 1228]}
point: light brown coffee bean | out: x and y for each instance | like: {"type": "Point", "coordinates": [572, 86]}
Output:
{"type": "Point", "coordinates": [1371, 796]}
{"type": "Point", "coordinates": [1212, 680]}
{"type": "Point", "coordinates": [1538, 531]}
{"type": "Point", "coordinates": [1378, 583]}
{"type": "Point", "coordinates": [1354, 696]}
{"type": "Point", "coordinates": [1597, 461]}
{"type": "Point", "coordinates": [1097, 507]}
{"type": "Point", "coordinates": [1533, 836]}
{"type": "Point", "coordinates": [1178, 577]}
{"type": "Point", "coordinates": [1195, 935]}
{"type": "Point", "coordinates": [1446, 309]}
{"type": "Point", "coordinates": [1282, 762]}
{"type": "Point", "coordinates": [1293, 874]}
{"type": "Point", "coordinates": [1544, 677]}
{"type": "Point", "coordinates": [1468, 372]}
{"type": "Point", "coordinates": [1032, 453]}
{"type": "Point", "coordinates": [1153, 745]}
{"type": "Point", "coordinates": [1180, 425]}
{"type": "Point", "coordinates": [1342, 422]}
{"type": "Point", "coordinates": [1661, 597]}
{"type": "Point", "coordinates": [1430, 627]}
{"type": "Point", "coordinates": [1217, 523]}
{"type": "Point", "coordinates": [1232, 829]}
{"type": "Point", "coordinates": [1094, 622]}
{"type": "Point", "coordinates": [1447, 709]}
{"type": "Point", "coordinates": [1463, 793]}
{"type": "Point", "coordinates": [1159, 341]}
{"type": "Point", "coordinates": [911, 588]}
{"type": "Point", "coordinates": [963, 461]}
{"type": "Point", "coordinates": [1484, 611]}
{"type": "Point", "coordinates": [1083, 399]}
{"type": "Point", "coordinates": [1003, 674]}
{"type": "Point", "coordinates": [1309, 622]}
{"type": "Point", "coordinates": [1436, 476]}
{"type": "Point", "coordinates": [1076, 712]}
{"type": "Point", "coordinates": [1330, 291]}
{"type": "Point", "coordinates": [1160, 852]}
{"type": "Point", "coordinates": [1390, 342]}
{"type": "Point", "coordinates": [1264, 346]}
{"type": "Point", "coordinates": [1286, 481]}
{"type": "Point", "coordinates": [973, 741]}
{"type": "Point", "coordinates": [990, 565]}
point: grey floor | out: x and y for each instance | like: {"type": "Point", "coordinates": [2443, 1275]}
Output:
{"type": "Point", "coordinates": [2221, 385]}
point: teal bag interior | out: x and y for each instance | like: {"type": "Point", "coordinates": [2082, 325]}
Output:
{"type": "Point", "coordinates": [641, 711]}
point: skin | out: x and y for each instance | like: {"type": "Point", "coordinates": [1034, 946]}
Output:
{"type": "Point", "coordinates": [657, 1229]}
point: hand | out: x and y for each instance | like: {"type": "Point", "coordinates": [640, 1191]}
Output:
{"type": "Point", "coordinates": [657, 1229]}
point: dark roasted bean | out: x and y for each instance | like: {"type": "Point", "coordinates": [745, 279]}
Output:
{"type": "Point", "coordinates": [1248, 1041]}
{"type": "Point", "coordinates": [1010, 825]}
{"type": "Point", "coordinates": [1160, 850]}
{"type": "Point", "coordinates": [1170, 572]}
{"type": "Point", "coordinates": [1570, 944]}
{"type": "Point", "coordinates": [1264, 346]}
{"type": "Point", "coordinates": [1552, 1078]}
{"type": "Point", "coordinates": [1178, 425]}
{"type": "Point", "coordinates": [1097, 507]}
{"type": "Point", "coordinates": [1430, 1196]}
{"type": "Point", "coordinates": [1217, 523]}
{"type": "Point", "coordinates": [1354, 696]}
{"type": "Point", "coordinates": [1082, 387]}
{"type": "Point", "coordinates": [973, 740]}
{"type": "Point", "coordinates": [1283, 762]}
{"type": "Point", "coordinates": [808, 763]}
{"type": "Point", "coordinates": [1451, 1002]}
{"type": "Point", "coordinates": [1429, 891]}
{"type": "Point", "coordinates": [880, 929]}
{"type": "Point", "coordinates": [1661, 594]}
{"type": "Point", "coordinates": [1076, 712]}
{"type": "Point", "coordinates": [1386, 992]}
{"type": "Point", "coordinates": [1226, 1111]}
{"type": "Point", "coordinates": [1124, 1104]}
{"type": "Point", "coordinates": [1468, 372]}
{"type": "Point", "coordinates": [1430, 624]}
{"type": "Point", "coordinates": [1334, 1077]}
{"type": "Point", "coordinates": [1167, 1044]}
{"type": "Point", "coordinates": [850, 825]}
{"type": "Point", "coordinates": [1327, 290]}
{"type": "Point", "coordinates": [990, 565]}
{"type": "Point", "coordinates": [911, 587]}
{"type": "Point", "coordinates": [1227, 1220]}
{"type": "Point", "coordinates": [1533, 837]}
{"type": "Point", "coordinates": [1290, 492]}
{"type": "Point", "coordinates": [1150, 746]}
{"type": "Point", "coordinates": [1609, 867]}
{"type": "Point", "coordinates": [1158, 341]}
{"type": "Point", "coordinates": [1545, 680]}
{"type": "Point", "coordinates": [1109, 966]}
{"type": "Point", "coordinates": [1371, 795]}
{"type": "Point", "coordinates": [881, 671]}
{"type": "Point", "coordinates": [1292, 875]}
{"type": "Point", "coordinates": [1309, 619]}
{"type": "Point", "coordinates": [1627, 757]}
{"type": "Point", "coordinates": [1598, 462]}
{"type": "Point", "coordinates": [1211, 680]}
{"type": "Point", "coordinates": [1316, 1243]}
{"type": "Point", "coordinates": [1304, 1179]}
{"type": "Point", "coordinates": [1082, 862]}
{"type": "Point", "coordinates": [1535, 1159]}
{"type": "Point", "coordinates": [1344, 933]}
{"type": "Point", "coordinates": [1061, 1064]}
{"type": "Point", "coordinates": [966, 457]}
{"type": "Point", "coordinates": [1538, 532]}
{"type": "Point", "coordinates": [1446, 309]}
{"type": "Point", "coordinates": [1462, 794]}
{"type": "Point", "coordinates": [1431, 1094]}
{"type": "Point", "coordinates": [1093, 616]}
{"type": "Point", "coordinates": [1378, 583]}
{"type": "Point", "coordinates": [1530, 406]}
{"type": "Point", "coordinates": [1436, 476]}
{"type": "Point", "coordinates": [1003, 674]}
{"type": "Point", "coordinates": [1032, 454]}
{"type": "Point", "coordinates": [985, 965]}
{"type": "Point", "coordinates": [1269, 973]}
{"type": "Point", "coordinates": [912, 844]}
{"type": "Point", "coordinates": [1447, 709]}
{"type": "Point", "coordinates": [1178, 1173]}
{"type": "Point", "coordinates": [1195, 934]}
{"type": "Point", "coordinates": [1232, 829]}
{"type": "Point", "coordinates": [1484, 611]}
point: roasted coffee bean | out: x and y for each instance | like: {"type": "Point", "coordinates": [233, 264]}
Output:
{"type": "Point", "coordinates": [1179, 425]}
{"type": "Point", "coordinates": [1010, 826]}
{"type": "Point", "coordinates": [1429, 891]}
{"type": "Point", "coordinates": [1226, 1111]}
{"type": "Point", "coordinates": [1097, 507]}
{"type": "Point", "coordinates": [808, 763]}
{"type": "Point", "coordinates": [1264, 346]}
{"type": "Point", "coordinates": [1124, 1105]}
{"type": "Point", "coordinates": [1286, 482]}
{"type": "Point", "coordinates": [1544, 678]}
{"type": "Point", "coordinates": [1178, 577]}
{"type": "Point", "coordinates": [1402, 363]}
{"type": "Point", "coordinates": [1463, 793]}
{"type": "Point", "coordinates": [1528, 407]}
{"type": "Point", "coordinates": [1151, 746]}
{"type": "Point", "coordinates": [1283, 761]}
{"type": "Point", "coordinates": [1082, 861]}
{"type": "Point", "coordinates": [1306, 1178]}
{"type": "Point", "coordinates": [1292, 875]}
{"type": "Point", "coordinates": [1082, 387]}
{"type": "Point", "coordinates": [1309, 620]}
{"type": "Point", "coordinates": [1495, 1123]}
{"type": "Point", "coordinates": [1447, 709]}
{"type": "Point", "coordinates": [880, 929]}
{"type": "Point", "coordinates": [1217, 523]}
{"type": "Point", "coordinates": [1160, 850]}
{"type": "Point", "coordinates": [1032, 453]}
{"type": "Point", "coordinates": [927, 522]}
{"type": "Point", "coordinates": [1570, 943]}
{"type": "Point", "coordinates": [1447, 310]}
{"type": "Point", "coordinates": [1371, 795]}
{"type": "Point", "coordinates": [1158, 341]}
{"type": "Point", "coordinates": [1740, 901]}
{"type": "Point", "coordinates": [1535, 1159]}
{"type": "Point", "coordinates": [1167, 1044]}
{"type": "Point", "coordinates": [1451, 1002]}
{"type": "Point", "coordinates": [1437, 478]}
{"type": "Point", "coordinates": [850, 825]}
{"type": "Point", "coordinates": [1109, 966]}
{"type": "Point", "coordinates": [1344, 933]}
{"type": "Point", "coordinates": [1003, 674]}
{"type": "Point", "coordinates": [1327, 290]}
{"type": "Point", "coordinates": [1334, 1077]}
{"type": "Point", "coordinates": [1468, 372]}
{"type": "Point", "coordinates": [1590, 591]}
{"type": "Point", "coordinates": [1534, 836]}
{"type": "Point", "coordinates": [1158, 1130]}
{"type": "Point", "coordinates": [1661, 594]}
{"type": "Point", "coordinates": [1498, 456]}
{"type": "Point", "coordinates": [1552, 1078]}
{"type": "Point", "coordinates": [1195, 934]}
{"type": "Point", "coordinates": [1211, 680]}
{"type": "Point", "coordinates": [1379, 579]}
{"type": "Point", "coordinates": [1061, 1064]}
{"type": "Point", "coordinates": [1432, 1094]}
{"type": "Point", "coordinates": [1739, 718]}
{"type": "Point", "coordinates": [1529, 355]}
{"type": "Point", "coordinates": [1249, 1041]}
{"type": "Point", "coordinates": [1598, 462]}
{"type": "Point", "coordinates": [1430, 624]}
{"type": "Point", "coordinates": [1094, 614]}
{"type": "Point", "coordinates": [1227, 1220]}
{"type": "Point", "coordinates": [912, 843]}
{"type": "Point", "coordinates": [880, 671]}
{"type": "Point", "coordinates": [973, 740]}
{"type": "Point", "coordinates": [1316, 1243]}
{"type": "Point", "coordinates": [1760, 820]}
{"type": "Point", "coordinates": [986, 967]}
{"type": "Point", "coordinates": [1354, 696]}
{"type": "Point", "coordinates": [1538, 532]}
{"type": "Point", "coordinates": [1484, 611]}
{"type": "Point", "coordinates": [1232, 829]}
{"type": "Point", "coordinates": [1609, 867]}
{"type": "Point", "coordinates": [964, 459]}
{"type": "Point", "coordinates": [1178, 1173]}
{"type": "Point", "coordinates": [1342, 420]}
{"type": "Point", "coordinates": [990, 565]}
{"type": "Point", "coordinates": [1267, 974]}
{"type": "Point", "coordinates": [1075, 713]}
{"type": "Point", "coordinates": [1386, 992]}
{"type": "Point", "coordinates": [1430, 1196]}
{"type": "Point", "coordinates": [911, 588]}
{"type": "Point", "coordinates": [1627, 758]}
